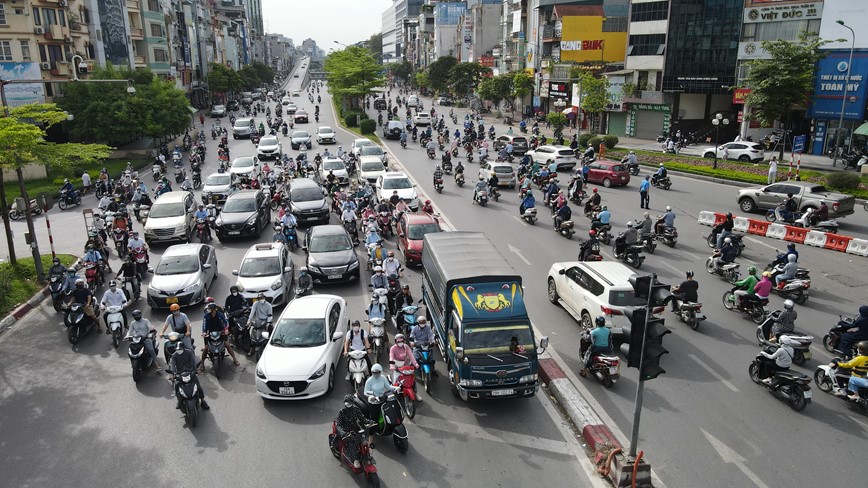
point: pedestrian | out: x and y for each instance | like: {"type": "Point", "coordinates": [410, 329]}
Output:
{"type": "Point", "coordinates": [602, 149]}
{"type": "Point", "coordinates": [773, 170]}
{"type": "Point", "coordinates": [548, 123]}
{"type": "Point", "coordinates": [85, 183]}
{"type": "Point", "coordinates": [644, 187]}
{"type": "Point", "coordinates": [202, 119]}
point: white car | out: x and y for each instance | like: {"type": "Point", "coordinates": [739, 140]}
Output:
{"type": "Point", "coordinates": [183, 276]}
{"type": "Point", "coordinates": [266, 268]}
{"type": "Point", "coordinates": [413, 101]}
{"type": "Point", "coordinates": [285, 101]}
{"type": "Point", "coordinates": [394, 181]}
{"type": "Point", "coordinates": [300, 360]}
{"type": "Point", "coordinates": [326, 135]}
{"type": "Point", "coordinates": [245, 165]}
{"type": "Point", "coordinates": [588, 290]}
{"type": "Point", "coordinates": [357, 145]}
{"type": "Point", "coordinates": [370, 168]}
{"type": "Point", "coordinates": [295, 93]}
{"type": "Point", "coordinates": [742, 151]}
{"type": "Point", "coordinates": [422, 118]}
{"type": "Point", "coordinates": [269, 147]}
{"type": "Point", "coordinates": [373, 150]}
{"type": "Point", "coordinates": [338, 167]}
{"type": "Point", "coordinates": [505, 172]}
{"type": "Point", "coordinates": [562, 155]}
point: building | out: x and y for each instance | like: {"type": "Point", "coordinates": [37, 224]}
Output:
{"type": "Point", "coordinates": [406, 15]}
{"type": "Point", "coordinates": [479, 31]}
{"type": "Point", "coordinates": [447, 18]}
{"type": "Point", "coordinates": [391, 50]}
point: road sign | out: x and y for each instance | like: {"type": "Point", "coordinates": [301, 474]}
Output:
{"type": "Point", "coordinates": [45, 201]}
{"type": "Point", "coordinates": [799, 144]}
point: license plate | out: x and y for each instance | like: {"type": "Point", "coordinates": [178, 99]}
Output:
{"type": "Point", "coordinates": [287, 390]}
{"type": "Point", "coordinates": [502, 392]}
{"type": "Point", "coordinates": [172, 300]}
{"type": "Point", "coordinates": [234, 232]}
{"type": "Point", "coordinates": [807, 394]}
{"type": "Point", "coordinates": [163, 238]}
{"type": "Point", "coordinates": [807, 354]}
{"type": "Point", "coordinates": [613, 370]}
{"type": "Point", "coordinates": [334, 277]}
{"type": "Point", "coordinates": [623, 177]}
{"type": "Point", "coordinates": [311, 218]}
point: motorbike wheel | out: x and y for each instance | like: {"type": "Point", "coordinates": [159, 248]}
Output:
{"type": "Point", "coordinates": [218, 363]}
{"type": "Point", "coordinates": [823, 381]}
{"type": "Point", "coordinates": [73, 333]}
{"type": "Point", "coordinates": [334, 448]}
{"type": "Point", "coordinates": [608, 382]}
{"type": "Point", "coordinates": [439, 189]}
{"type": "Point", "coordinates": [728, 300]}
{"type": "Point", "coordinates": [137, 375]}
{"type": "Point", "coordinates": [771, 217]}
{"type": "Point", "coordinates": [667, 186]}
{"type": "Point", "coordinates": [56, 303]}
{"type": "Point", "coordinates": [732, 277]}
{"type": "Point", "coordinates": [78, 200]}
{"type": "Point", "coordinates": [192, 412]}
{"type": "Point", "coordinates": [799, 358]}
{"type": "Point", "coordinates": [711, 240]}
{"type": "Point", "coordinates": [800, 297]}
{"type": "Point", "coordinates": [758, 316]}
{"type": "Point", "coordinates": [753, 372]}
{"type": "Point", "coordinates": [401, 444]}
{"type": "Point", "coordinates": [709, 265]}
{"type": "Point", "coordinates": [116, 337]}
{"type": "Point", "coordinates": [62, 204]}
{"type": "Point", "coordinates": [14, 214]}
{"type": "Point", "coordinates": [828, 343]}
{"type": "Point", "coordinates": [798, 402]}
{"type": "Point", "coordinates": [409, 408]}
{"type": "Point", "coordinates": [373, 479]}
{"type": "Point", "coordinates": [426, 381]}
{"type": "Point", "coordinates": [692, 321]}
{"type": "Point", "coordinates": [606, 239]}
{"type": "Point", "coordinates": [258, 354]}
{"type": "Point", "coordinates": [650, 249]}
{"type": "Point", "coordinates": [759, 336]}
{"type": "Point", "coordinates": [634, 261]}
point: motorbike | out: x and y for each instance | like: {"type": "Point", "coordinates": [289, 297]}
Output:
{"type": "Point", "coordinates": [77, 322]}
{"type": "Point", "coordinates": [459, 179]}
{"type": "Point", "coordinates": [259, 337]}
{"type": "Point", "coordinates": [68, 199]}
{"type": "Point", "coordinates": [425, 358]}
{"type": "Point", "coordinates": [291, 234]}
{"type": "Point", "coordinates": [565, 229]}
{"type": "Point", "coordinates": [432, 153]}
{"type": "Point", "coordinates": [404, 144]}
{"type": "Point", "coordinates": [216, 350]}
{"type": "Point", "coordinates": [494, 193]}
{"type": "Point", "coordinates": [663, 182]}
{"type": "Point", "coordinates": [93, 276]}
{"type": "Point", "coordinates": [115, 323]}
{"type": "Point", "coordinates": [669, 236]}
{"type": "Point", "coordinates": [352, 230]}
{"type": "Point", "coordinates": [405, 381]}
{"type": "Point", "coordinates": [632, 168]}
{"type": "Point", "coordinates": [529, 215]}
{"type": "Point", "coordinates": [605, 367]}
{"type": "Point", "coordinates": [690, 313]}
{"type": "Point", "coordinates": [834, 379]}
{"type": "Point", "coordinates": [447, 167]}
{"type": "Point", "coordinates": [187, 394]}
{"type": "Point", "coordinates": [197, 180]}
{"type": "Point", "coordinates": [157, 171]}
{"type": "Point", "coordinates": [777, 214]}
{"type": "Point", "coordinates": [789, 386]}
{"type": "Point", "coordinates": [120, 237]}
{"type": "Point", "coordinates": [649, 242]}
{"type": "Point", "coordinates": [754, 308]}
{"type": "Point", "coordinates": [377, 337]}
{"type": "Point", "coordinates": [357, 368]}
{"type": "Point", "coordinates": [438, 185]}
{"type": "Point", "coordinates": [140, 255]}
{"type": "Point", "coordinates": [139, 355]}
{"type": "Point", "coordinates": [337, 444]}
{"type": "Point", "coordinates": [55, 286]}
{"type": "Point", "coordinates": [796, 289]}
{"type": "Point", "coordinates": [833, 338]}
{"type": "Point", "coordinates": [592, 254]}
{"type": "Point", "coordinates": [631, 254]}
{"type": "Point", "coordinates": [728, 271]}
{"type": "Point", "coordinates": [480, 197]}
{"type": "Point", "coordinates": [33, 208]}
{"type": "Point", "coordinates": [604, 233]}
{"type": "Point", "coordinates": [384, 220]}
{"type": "Point", "coordinates": [409, 315]}
{"type": "Point", "coordinates": [202, 230]}
{"type": "Point", "coordinates": [711, 240]}
{"type": "Point", "coordinates": [802, 348]}
{"type": "Point", "coordinates": [388, 416]}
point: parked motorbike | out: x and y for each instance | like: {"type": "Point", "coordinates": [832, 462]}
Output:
{"type": "Point", "coordinates": [754, 308]}
{"type": "Point", "coordinates": [33, 207]}
{"type": "Point", "coordinates": [357, 369]}
{"type": "Point", "coordinates": [833, 379]}
{"type": "Point", "coordinates": [139, 355]}
{"type": "Point", "coordinates": [711, 240]}
{"type": "Point", "coordinates": [386, 412]}
{"type": "Point", "coordinates": [790, 386]}
{"type": "Point", "coordinates": [337, 444]}
{"type": "Point", "coordinates": [728, 271]}
{"type": "Point", "coordinates": [77, 323]}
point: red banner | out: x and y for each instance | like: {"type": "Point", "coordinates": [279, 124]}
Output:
{"type": "Point", "coordinates": [739, 94]}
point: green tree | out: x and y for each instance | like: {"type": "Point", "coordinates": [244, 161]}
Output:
{"type": "Point", "coordinates": [222, 80]}
{"type": "Point", "coordinates": [784, 80]}
{"type": "Point", "coordinates": [464, 77]}
{"type": "Point", "coordinates": [22, 142]}
{"type": "Point", "coordinates": [594, 91]}
{"type": "Point", "coordinates": [522, 86]}
{"type": "Point", "coordinates": [557, 120]}
{"type": "Point", "coordinates": [353, 73]}
{"type": "Point", "coordinates": [496, 89]}
{"type": "Point", "coordinates": [375, 46]}
{"type": "Point", "coordinates": [402, 70]}
{"type": "Point", "coordinates": [421, 79]}
{"type": "Point", "coordinates": [439, 73]}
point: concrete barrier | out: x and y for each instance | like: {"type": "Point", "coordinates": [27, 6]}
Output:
{"type": "Point", "coordinates": [706, 218]}
{"type": "Point", "coordinates": [796, 234]}
{"type": "Point", "coordinates": [858, 247]}
{"type": "Point", "coordinates": [740, 224]}
{"type": "Point", "coordinates": [837, 242]}
{"type": "Point", "coordinates": [815, 238]}
{"type": "Point", "coordinates": [776, 231]}
{"type": "Point", "coordinates": [758, 227]}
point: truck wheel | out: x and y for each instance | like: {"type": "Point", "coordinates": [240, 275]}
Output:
{"type": "Point", "coordinates": [553, 291]}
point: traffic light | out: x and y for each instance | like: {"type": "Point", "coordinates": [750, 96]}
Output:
{"type": "Point", "coordinates": [648, 286]}
{"type": "Point", "coordinates": [646, 344]}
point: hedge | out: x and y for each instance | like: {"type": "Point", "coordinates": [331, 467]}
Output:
{"type": "Point", "coordinates": [610, 140]}
{"type": "Point", "coordinates": [368, 126]}
{"type": "Point", "coordinates": [843, 181]}
{"type": "Point", "coordinates": [584, 138]}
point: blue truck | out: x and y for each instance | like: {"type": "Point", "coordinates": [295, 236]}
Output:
{"type": "Point", "coordinates": [476, 305]}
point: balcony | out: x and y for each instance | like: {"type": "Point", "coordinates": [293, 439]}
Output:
{"type": "Point", "coordinates": [133, 5]}
{"type": "Point", "coordinates": [140, 62]}
{"type": "Point", "coordinates": [137, 33]}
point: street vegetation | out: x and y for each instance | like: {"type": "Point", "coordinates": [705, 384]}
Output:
{"type": "Point", "coordinates": [18, 281]}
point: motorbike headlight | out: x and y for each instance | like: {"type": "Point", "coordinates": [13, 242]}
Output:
{"type": "Point", "coordinates": [528, 378]}
{"type": "Point", "coordinates": [260, 373]}
{"type": "Point", "coordinates": [192, 287]}
{"type": "Point", "coordinates": [319, 373]}
{"type": "Point", "coordinates": [277, 284]}
{"type": "Point", "coordinates": [470, 383]}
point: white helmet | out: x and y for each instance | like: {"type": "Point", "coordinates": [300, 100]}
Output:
{"type": "Point", "coordinates": [668, 208]}
{"type": "Point", "coordinates": [378, 269]}
{"type": "Point", "coordinates": [727, 240]}
{"type": "Point", "coordinates": [788, 304]}
{"type": "Point", "coordinates": [630, 224]}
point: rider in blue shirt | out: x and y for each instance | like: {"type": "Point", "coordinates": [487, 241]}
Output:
{"type": "Point", "coordinates": [602, 218]}
{"type": "Point", "coordinates": [529, 201]}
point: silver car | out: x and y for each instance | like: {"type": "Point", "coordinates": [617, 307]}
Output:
{"type": "Point", "coordinates": [373, 150]}
{"type": "Point", "coordinates": [301, 138]}
{"type": "Point", "coordinates": [218, 187]}
{"type": "Point", "coordinates": [183, 276]}
{"type": "Point", "coordinates": [170, 218]}
{"type": "Point", "coordinates": [269, 147]}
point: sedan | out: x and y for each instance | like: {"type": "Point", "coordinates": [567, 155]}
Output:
{"type": "Point", "coordinates": [373, 150]}
{"type": "Point", "coordinates": [504, 171]}
{"type": "Point", "coordinates": [397, 183]}
{"type": "Point", "coordinates": [301, 117]}
{"type": "Point", "coordinates": [370, 168]}
{"type": "Point", "coordinates": [331, 256]}
{"type": "Point", "coordinates": [741, 151]}
{"type": "Point", "coordinates": [357, 145]}
{"type": "Point", "coordinates": [245, 165]}
{"type": "Point", "coordinates": [548, 154]}
{"type": "Point", "coordinates": [411, 230]}
{"type": "Point", "coordinates": [301, 138]}
{"type": "Point", "coordinates": [286, 101]}
{"type": "Point", "coordinates": [422, 118]}
{"type": "Point", "coordinates": [608, 173]}
{"type": "Point", "coordinates": [183, 276]}
{"type": "Point", "coordinates": [326, 135]}
{"type": "Point", "coordinates": [301, 357]}
{"type": "Point", "coordinates": [337, 167]}
{"type": "Point", "coordinates": [218, 111]}
{"type": "Point", "coordinates": [269, 148]}
{"type": "Point", "coordinates": [245, 213]}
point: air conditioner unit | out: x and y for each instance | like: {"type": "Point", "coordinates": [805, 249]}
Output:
{"type": "Point", "coordinates": [39, 31]}
{"type": "Point", "coordinates": [62, 3]}
{"type": "Point", "coordinates": [45, 66]}
{"type": "Point", "coordinates": [67, 39]}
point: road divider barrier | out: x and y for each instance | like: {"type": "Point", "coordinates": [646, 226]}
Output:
{"type": "Point", "coordinates": [837, 242]}
{"type": "Point", "coordinates": [796, 234]}
{"type": "Point", "coordinates": [858, 247]}
{"type": "Point", "coordinates": [719, 218]}
{"type": "Point", "coordinates": [815, 238]}
{"type": "Point", "coordinates": [706, 218]}
{"type": "Point", "coordinates": [740, 224]}
{"type": "Point", "coordinates": [757, 227]}
{"type": "Point", "coordinates": [776, 231]}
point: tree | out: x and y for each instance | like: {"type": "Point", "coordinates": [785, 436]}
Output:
{"type": "Point", "coordinates": [557, 120]}
{"type": "Point", "coordinates": [496, 89]}
{"type": "Point", "coordinates": [106, 113]}
{"type": "Point", "coordinates": [464, 77]}
{"type": "Point", "coordinates": [222, 80]}
{"type": "Point", "coordinates": [353, 73]}
{"type": "Point", "coordinates": [375, 45]}
{"type": "Point", "coordinates": [22, 141]}
{"type": "Point", "coordinates": [522, 85]}
{"type": "Point", "coordinates": [439, 73]}
{"type": "Point", "coordinates": [784, 80]}
{"type": "Point", "coordinates": [594, 91]}
{"type": "Point", "coordinates": [402, 70]}
{"type": "Point", "coordinates": [421, 79]}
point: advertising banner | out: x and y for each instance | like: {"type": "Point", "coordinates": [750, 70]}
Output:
{"type": "Point", "coordinates": [615, 93]}
{"type": "Point", "coordinates": [558, 90]}
{"type": "Point", "coordinates": [829, 86]}
{"type": "Point", "coordinates": [772, 12]}
{"type": "Point", "coordinates": [24, 93]}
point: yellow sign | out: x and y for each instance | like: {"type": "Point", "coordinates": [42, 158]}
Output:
{"type": "Point", "coordinates": [583, 39]}
{"type": "Point", "coordinates": [491, 302]}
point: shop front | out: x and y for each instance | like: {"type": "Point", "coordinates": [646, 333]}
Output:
{"type": "Point", "coordinates": [826, 105]}
{"type": "Point", "coordinates": [647, 120]}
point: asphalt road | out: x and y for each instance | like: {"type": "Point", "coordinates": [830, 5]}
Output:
{"type": "Point", "coordinates": [704, 422]}
{"type": "Point", "coordinates": [71, 416]}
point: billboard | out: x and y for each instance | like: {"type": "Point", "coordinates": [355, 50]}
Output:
{"type": "Point", "coordinates": [583, 39]}
{"type": "Point", "coordinates": [776, 12]}
{"type": "Point", "coordinates": [24, 93]}
{"type": "Point", "coordinates": [113, 18]}
{"type": "Point", "coordinates": [449, 13]}
{"type": "Point", "coordinates": [829, 86]}
{"type": "Point", "coordinates": [850, 11]}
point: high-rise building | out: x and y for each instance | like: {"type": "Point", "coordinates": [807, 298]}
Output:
{"type": "Point", "coordinates": [389, 35]}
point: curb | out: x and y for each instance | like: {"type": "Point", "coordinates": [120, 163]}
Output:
{"type": "Point", "coordinates": [22, 310]}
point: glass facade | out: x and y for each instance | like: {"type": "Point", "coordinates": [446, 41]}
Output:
{"type": "Point", "coordinates": [702, 47]}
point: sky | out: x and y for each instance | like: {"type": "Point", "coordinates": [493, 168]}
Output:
{"type": "Point", "coordinates": [325, 21]}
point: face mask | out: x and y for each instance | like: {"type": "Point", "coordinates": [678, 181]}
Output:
{"type": "Point", "coordinates": [176, 313]}
{"type": "Point", "coordinates": [234, 293]}
{"type": "Point", "coordinates": [356, 329]}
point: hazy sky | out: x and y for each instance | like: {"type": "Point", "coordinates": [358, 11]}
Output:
{"type": "Point", "coordinates": [324, 21]}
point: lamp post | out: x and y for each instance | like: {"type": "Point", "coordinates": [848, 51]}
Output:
{"type": "Point", "coordinates": [717, 121]}
{"type": "Point", "coordinates": [843, 98]}
{"type": "Point", "coordinates": [341, 44]}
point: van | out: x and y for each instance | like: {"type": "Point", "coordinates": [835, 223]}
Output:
{"type": "Point", "coordinates": [243, 128]}
{"type": "Point", "coordinates": [171, 218]}
{"type": "Point", "coordinates": [307, 202]}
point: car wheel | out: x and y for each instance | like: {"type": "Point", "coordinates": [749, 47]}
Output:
{"type": "Point", "coordinates": [607, 183]}
{"type": "Point", "coordinates": [744, 158]}
{"type": "Point", "coordinates": [747, 205]}
{"type": "Point", "coordinates": [553, 291]}
{"type": "Point", "coordinates": [331, 380]}
{"type": "Point", "coordinates": [587, 323]}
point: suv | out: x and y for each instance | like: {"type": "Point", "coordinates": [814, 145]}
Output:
{"type": "Point", "coordinates": [412, 101]}
{"type": "Point", "coordinates": [170, 218]}
{"type": "Point", "coordinates": [519, 143]}
{"type": "Point", "coordinates": [588, 290]}
{"type": "Point", "coordinates": [307, 201]}
{"type": "Point", "coordinates": [422, 118]}
{"type": "Point", "coordinates": [379, 103]}
{"type": "Point", "coordinates": [266, 268]}
{"type": "Point", "coordinates": [245, 213]}
{"type": "Point", "coordinates": [393, 129]}
{"type": "Point", "coordinates": [562, 155]}
{"type": "Point", "coordinates": [218, 111]}
{"type": "Point", "coordinates": [331, 255]}
{"type": "Point", "coordinates": [243, 128]}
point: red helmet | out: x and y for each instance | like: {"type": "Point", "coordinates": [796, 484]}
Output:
{"type": "Point", "coordinates": [595, 190]}
{"type": "Point", "coordinates": [427, 202]}
{"type": "Point", "coordinates": [209, 300]}
{"type": "Point", "coordinates": [592, 233]}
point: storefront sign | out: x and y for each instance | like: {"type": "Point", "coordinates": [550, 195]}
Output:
{"type": "Point", "coordinates": [739, 94]}
{"type": "Point", "coordinates": [650, 106]}
{"type": "Point", "coordinates": [778, 13]}
{"type": "Point", "coordinates": [487, 61]}
{"type": "Point", "coordinates": [558, 90]}
{"type": "Point", "coordinates": [829, 86]}
{"type": "Point", "coordinates": [752, 50]}
{"type": "Point", "coordinates": [594, 45]}
{"type": "Point", "coordinates": [615, 93]}
{"type": "Point", "coordinates": [819, 137]}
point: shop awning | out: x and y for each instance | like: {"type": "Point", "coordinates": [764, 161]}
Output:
{"type": "Point", "coordinates": [862, 130]}
{"type": "Point", "coordinates": [192, 110]}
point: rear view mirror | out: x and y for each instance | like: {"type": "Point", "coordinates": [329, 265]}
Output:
{"type": "Point", "coordinates": [543, 344]}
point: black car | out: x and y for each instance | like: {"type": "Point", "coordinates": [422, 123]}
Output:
{"type": "Point", "coordinates": [307, 202]}
{"type": "Point", "coordinates": [232, 105]}
{"type": "Point", "coordinates": [245, 213]}
{"type": "Point", "coordinates": [519, 143]}
{"type": "Point", "coordinates": [331, 255]}
{"type": "Point", "coordinates": [393, 129]}
{"type": "Point", "coordinates": [380, 104]}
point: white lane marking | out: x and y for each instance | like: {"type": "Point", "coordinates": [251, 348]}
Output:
{"type": "Point", "coordinates": [673, 268]}
{"type": "Point", "coordinates": [692, 256]}
{"type": "Point", "coordinates": [730, 456]}
{"type": "Point", "coordinates": [714, 373]}
{"type": "Point", "coordinates": [518, 253]}
{"type": "Point", "coordinates": [757, 241]}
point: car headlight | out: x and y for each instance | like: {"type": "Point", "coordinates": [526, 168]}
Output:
{"type": "Point", "coordinates": [354, 265]}
{"type": "Point", "coordinates": [528, 378]}
{"type": "Point", "coordinates": [181, 228]}
{"type": "Point", "coordinates": [192, 287]}
{"type": "Point", "coordinates": [315, 269]}
{"type": "Point", "coordinates": [277, 284]}
{"type": "Point", "coordinates": [319, 373]}
{"type": "Point", "coordinates": [259, 372]}
{"type": "Point", "coordinates": [470, 383]}
{"type": "Point", "coordinates": [251, 220]}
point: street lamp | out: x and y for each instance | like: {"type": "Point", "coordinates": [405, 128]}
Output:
{"type": "Point", "coordinates": [843, 98]}
{"type": "Point", "coordinates": [717, 121]}
{"type": "Point", "coordinates": [341, 44]}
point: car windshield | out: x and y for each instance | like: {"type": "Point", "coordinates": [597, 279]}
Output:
{"type": "Point", "coordinates": [396, 183]}
{"type": "Point", "coordinates": [300, 134]}
{"type": "Point", "coordinates": [625, 298]}
{"type": "Point", "coordinates": [240, 205]}
{"type": "Point", "coordinates": [333, 164]}
{"type": "Point", "coordinates": [325, 131]}
{"type": "Point", "coordinates": [416, 232]}
{"type": "Point", "coordinates": [175, 265]}
{"type": "Point", "coordinates": [360, 144]}
{"type": "Point", "coordinates": [371, 151]}
{"type": "Point", "coordinates": [301, 113]}
{"type": "Point", "coordinates": [268, 141]}
{"type": "Point", "coordinates": [174, 209]}
{"type": "Point", "coordinates": [260, 266]}
{"type": "Point", "coordinates": [374, 166]}
{"type": "Point", "coordinates": [503, 169]}
{"type": "Point", "coordinates": [299, 333]}
{"type": "Point", "coordinates": [306, 194]}
{"type": "Point", "coordinates": [519, 140]}
{"type": "Point", "coordinates": [330, 243]}
{"type": "Point", "coordinates": [242, 124]}
{"type": "Point", "coordinates": [566, 152]}
{"type": "Point", "coordinates": [218, 108]}
{"type": "Point", "coordinates": [242, 163]}
{"type": "Point", "coordinates": [497, 340]}
{"type": "Point", "coordinates": [218, 180]}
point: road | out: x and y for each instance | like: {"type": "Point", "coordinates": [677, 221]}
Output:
{"type": "Point", "coordinates": [71, 416]}
{"type": "Point", "coordinates": [704, 415]}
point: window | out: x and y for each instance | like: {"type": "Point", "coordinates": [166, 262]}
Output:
{"type": "Point", "coordinates": [62, 16]}
{"type": "Point", "coordinates": [160, 56]}
{"type": "Point", "coordinates": [25, 51]}
{"type": "Point", "coordinates": [646, 44]}
{"type": "Point", "coordinates": [154, 5]}
{"type": "Point", "coordinates": [2, 14]}
{"type": "Point", "coordinates": [5, 51]}
{"type": "Point", "coordinates": [157, 30]}
{"type": "Point", "coordinates": [334, 318]}
{"type": "Point", "coordinates": [37, 19]}
{"type": "Point", "coordinates": [615, 24]}
{"type": "Point", "coordinates": [643, 12]}
{"type": "Point", "coordinates": [50, 16]}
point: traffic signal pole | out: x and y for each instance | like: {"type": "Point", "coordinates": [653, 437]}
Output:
{"type": "Point", "coordinates": [640, 386]}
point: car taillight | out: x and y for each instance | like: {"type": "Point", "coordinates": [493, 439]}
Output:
{"type": "Point", "coordinates": [609, 311]}
{"type": "Point", "coordinates": [835, 206]}
{"type": "Point", "coordinates": [659, 309]}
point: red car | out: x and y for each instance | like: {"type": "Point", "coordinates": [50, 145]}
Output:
{"type": "Point", "coordinates": [608, 173]}
{"type": "Point", "coordinates": [301, 117]}
{"type": "Point", "coordinates": [411, 229]}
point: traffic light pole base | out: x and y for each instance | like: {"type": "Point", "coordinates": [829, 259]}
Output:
{"type": "Point", "coordinates": [621, 472]}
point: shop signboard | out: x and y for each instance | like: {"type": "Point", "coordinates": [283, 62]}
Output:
{"type": "Point", "coordinates": [829, 86]}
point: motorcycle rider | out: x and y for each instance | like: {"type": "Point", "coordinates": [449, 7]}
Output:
{"type": "Point", "coordinates": [780, 360]}
{"type": "Point", "coordinates": [378, 279]}
{"type": "Point", "coordinates": [821, 214]}
{"type": "Point", "coordinates": [626, 239]}
{"type": "Point", "coordinates": [603, 218]}
{"type": "Point", "coordinates": [592, 202]}
{"type": "Point", "coordinates": [659, 175]}
{"type": "Point", "coordinates": [304, 279]}
{"type": "Point", "coordinates": [56, 269]}
{"type": "Point", "coordinates": [859, 334]}
{"type": "Point", "coordinates": [403, 138]}
{"type": "Point", "coordinates": [858, 367]}
{"type": "Point", "coordinates": [261, 311]}
{"type": "Point", "coordinates": [745, 288]}
{"type": "Point", "coordinates": [67, 187]}
{"type": "Point", "coordinates": [141, 327]}
{"type": "Point", "coordinates": [235, 301]}
{"type": "Point", "coordinates": [601, 342]}
{"type": "Point", "coordinates": [392, 266]}
{"type": "Point", "coordinates": [728, 252]}
{"type": "Point", "coordinates": [403, 299]}
{"type": "Point", "coordinates": [113, 298]}
{"type": "Point", "coordinates": [687, 291]}
{"type": "Point", "coordinates": [724, 229]}
{"type": "Point", "coordinates": [480, 186]}
{"type": "Point", "coordinates": [529, 201]}
{"type": "Point", "coordinates": [431, 147]}
{"type": "Point", "coordinates": [180, 323]}
{"type": "Point", "coordinates": [94, 256]}
{"type": "Point", "coordinates": [784, 323]}
{"type": "Point", "coordinates": [789, 271]}
{"type": "Point", "coordinates": [667, 221]}
{"type": "Point", "coordinates": [278, 235]}
{"type": "Point", "coordinates": [438, 174]}
{"type": "Point", "coordinates": [587, 248]}
{"type": "Point", "coordinates": [422, 336]}
{"type": "Point", "coordinates": [215, 320]}
{"type": "Point", "coordinates": [790, 208]}
{"type": "Point", "coordinates": [377, 309]}
{"type": "Point", "coordinates": [493, 182]}
{"type": "Point", "coordinates": [202, 214]}
{"type": "Point", "coordinates": [82, 295]}
{"type": "Point", "coordinates": [69, 280]}
{"type": "Point", "coordinates": [646, 225]}
{"type": "Point", "coordinates": [183, 360]}
{"type": "Point", "coordinates": [563, 214]}
{"type": "Point", "coordinates": [349, 421]}
{"type": "Point", "coordinates": [377, 385]}
{"type": "Point", "coordinates": [357, 340]}
{"type": "Point", "coordinates": [631, 159]}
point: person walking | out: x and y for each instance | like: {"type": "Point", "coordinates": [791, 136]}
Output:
{"type": "Point", "coordinates": [85, 183]}
{"type": "Point", "coordinates": [644, 188]}
{"type": "Point", "coordinates": [773, 170]}
{"type": "Point", "coordinates": [202, 119]}
{"type": "Point", "coordinates": [602, 151]}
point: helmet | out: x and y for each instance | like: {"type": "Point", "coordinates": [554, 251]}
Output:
{"type": "Point", "coordinates": [689, 273]}
{"type": "Point", "coordinates": [209, 300]}
{"type": "Point", "coordinates": [302, 270]}
{"type": "Point", "coordinates": [604, 207]}
{"type": "Point", "coordinates": [661, 165]}
{"type": "Point", "coordinates": [630, 224]}
{"type": "Point", "coordinates": [70, 271]}
{"type": "Point", "coordinates": [391, 254]}
{"type": "Point", "coordinates": [788, 304]}
{"type": "Point", "coordinates": [399, 337]}
{"type": "Point", "coordinates": [791, 246]}
{"type": "Point", "coordinates": [211, 306]}
{"type": "Point", "coordinates": [137, 314]}
{"type": "Point", "coordinates": [378, 269]}
{"type": "Point", "coordinates": [376, 369]}
{"type": "Point", "coordinates": [862, 347]}
{"type": "Point", "coordinates": [668, 208]}
{"type": "Point", "coordinates": [66, 180]}
{"type": "Point", "coordinates": [767, 274]}
{"type": "Point", "coordinates": [348, 400]}
{"type": "Point", "coordinates": [233, 289]}
{"type": "Point", "coordinates": [405, 287]}
{"type": "Point", "coordinates": [751, 270]}
{"type": "Point", "coordinates": [729, 215]}
{"type": "Point", "coordinates": [175, 307]}
{"type": "Point", "coordinates": [592, 233]}
{"type": "Point", "coordinates": [113, 284]}
{"type": "Point", "coordinates": [261, 296]}
{"type": "Point", "coordinates": [595, 190]}
{"type": "Point", "coordinates": [79, 282]}
{"type": "Point", "coordinates": [787, 341]}
{"type": "Point", "coordinates": [600, 321]}
{"type": "Point", "coordinates": [645, 215]}
{"type": "Point", "coordinates": [632, 152]}
{"type": "Point", "coordinates": [56, 260]}
{"type": "Point", "coordinates": [90, 247]}
{"type": "Point", "coordinates": [427, 202]}
{"type": "Point", "coordinates": [481, 178]}
{"type": "Point", "coordinates": [791, 258]}
{"type": "Point", "coordinates": [356, 323]}
{"type": "Point", "coordinates": [727, 240]}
